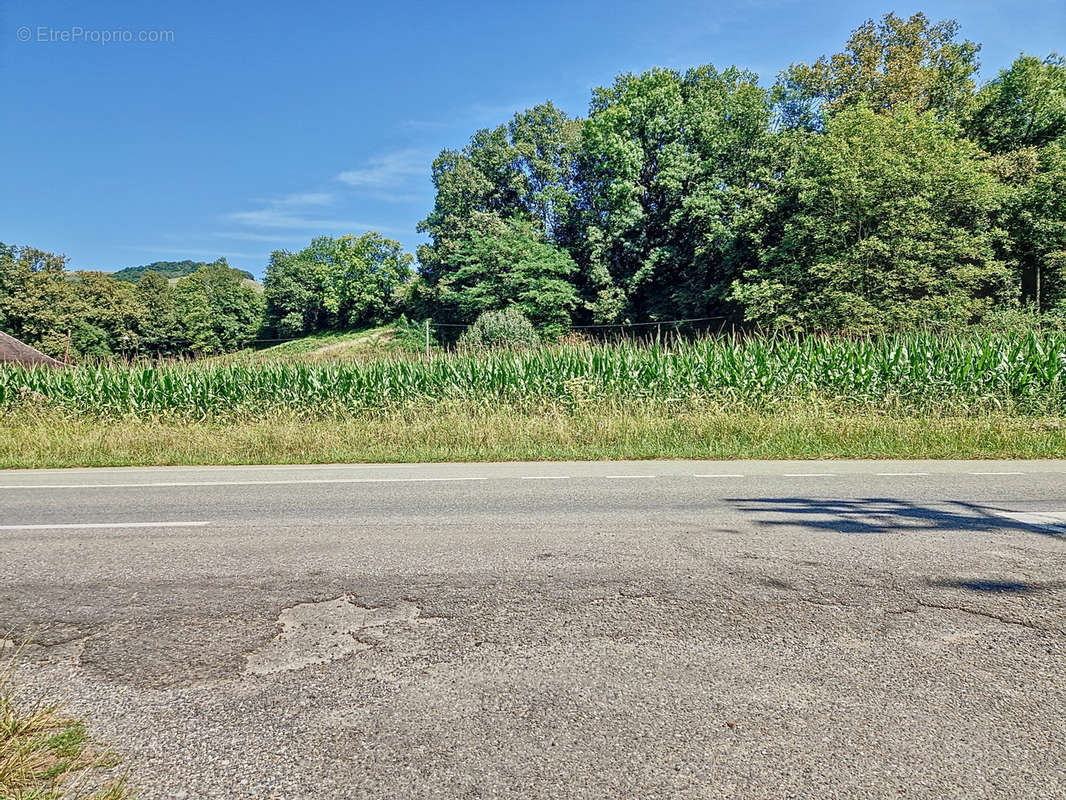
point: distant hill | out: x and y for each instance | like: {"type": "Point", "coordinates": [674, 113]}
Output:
{"type": "Point", "coordinates": [168, 269]}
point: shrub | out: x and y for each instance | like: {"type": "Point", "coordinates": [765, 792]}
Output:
{"type": "Point", "coordinates": [499, 329]}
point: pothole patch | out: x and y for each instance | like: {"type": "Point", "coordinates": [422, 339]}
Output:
{"type": "Point", "coordinates": [317, 633]}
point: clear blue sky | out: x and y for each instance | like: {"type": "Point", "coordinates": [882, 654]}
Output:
{"type": "Point", "coordinates": [264, 123]}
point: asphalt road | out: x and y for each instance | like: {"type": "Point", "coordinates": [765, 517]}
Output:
{"type": "Point", "coordinates": [676, 629]}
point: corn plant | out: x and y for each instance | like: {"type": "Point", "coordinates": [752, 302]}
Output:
{"type": "Point", "coordinates": [909, 372]}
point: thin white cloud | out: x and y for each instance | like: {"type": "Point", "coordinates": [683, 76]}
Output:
{"type": "Point", "coordinates": [479, 115]}
{"type": "Point", "coordinates": [305, 199]}
{"type": "Point", "coordinates": [279, 218]}
{"type": "Point", "coordinates": [389, 171]}
{"type": "Point", "coordinates": [248, 236]}
{"type": "Point", "coordinates": [273, 217]}
{"type": "Point", "coordinates": [401, 176]}
{"type": "Point", "coordinates": [285, 217]}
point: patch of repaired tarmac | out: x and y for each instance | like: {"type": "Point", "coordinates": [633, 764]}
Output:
{"type": "Point", "coordinates": [317, 633]}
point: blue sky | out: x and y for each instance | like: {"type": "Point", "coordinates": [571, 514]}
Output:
{"type": "Point", "coordinates": [262, 124]}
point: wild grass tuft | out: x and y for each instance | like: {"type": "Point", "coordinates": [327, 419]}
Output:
{"type": "Point", "coordinates": [45, 755]}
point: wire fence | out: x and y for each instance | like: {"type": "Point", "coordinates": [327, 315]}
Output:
{"type": "Point", "coordinates": [612, 327]}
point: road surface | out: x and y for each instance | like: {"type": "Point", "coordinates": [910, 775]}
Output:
{"type": "Point", "coordinates": [653, 630]}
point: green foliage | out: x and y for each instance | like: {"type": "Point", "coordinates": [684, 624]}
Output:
{"type": "Point", "coordinates": [886, 65]}
{"type": "Point", "coordinates": [971, 374]}
{"type": "Point", "coordinates": [498, 264]}
{"type": "Point", "coordinates": [493, 330]}
{"type": "Point", "coordinates": [345, 282]}
{"type": "Point", "coordinates": [159, 323]}
{"type": "Point", "coordinates": [524, 169]}
{"type": "Point", "coordinates": [168, 269]}
{"type": "Point", "coordinates": [411, 336]}
{"type": "Point", "coordinates": [1024, 106]}
{"type": "Point", "coordinates": [106, 317]}
{"type": "Point", "coordinates": [216, 311]}
{"type": "Point", "coordinates": [40, 302]}
{"type": "Point", "coordinates": [1035, 217]}
{"type": "Point", "coordinates": [36, 298]}
{"type": "Point", "coordinates": [673, 169]}
{"type": "Point", "coordinates": [888, 223]}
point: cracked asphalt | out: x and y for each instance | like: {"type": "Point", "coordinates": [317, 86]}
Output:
{"type": "Point", "coordinates": [653, 630]}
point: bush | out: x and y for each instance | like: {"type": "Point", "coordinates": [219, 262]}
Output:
{"type": "Point", "coordinates": [411, 335]}
{"type": "Point", "coordinates": [1022, 320]}
{"type": "Point", "coordinates": [499, 329]}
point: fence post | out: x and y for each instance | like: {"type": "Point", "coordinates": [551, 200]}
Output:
{"type": "Point", "coordinates": [427, 338]}
{"type": "Point", "coordinates": [66, 353]}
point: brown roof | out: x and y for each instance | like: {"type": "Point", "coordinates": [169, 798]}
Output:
{"type": "Point", "coordinates": [12, 351]}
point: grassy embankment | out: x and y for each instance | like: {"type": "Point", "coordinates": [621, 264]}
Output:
{"type": "Point", "coordinates": [973, 396]}
{"type": "Point", "coordinates": [364, 344]}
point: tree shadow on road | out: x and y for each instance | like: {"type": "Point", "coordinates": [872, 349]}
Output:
{"type": "Point", "coordinates": [887, 515]}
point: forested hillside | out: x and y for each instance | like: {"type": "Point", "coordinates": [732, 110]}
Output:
{"type": "Point", "coordinates": [168, 269]}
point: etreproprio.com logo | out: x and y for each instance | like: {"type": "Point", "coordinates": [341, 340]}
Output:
{"type": "Point", "coordinates": [77, 34]}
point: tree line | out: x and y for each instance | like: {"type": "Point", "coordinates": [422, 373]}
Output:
{"type": "Point", "coordinates": [878, 188]}
{"type": "Point", "coordinates": [95, 315]}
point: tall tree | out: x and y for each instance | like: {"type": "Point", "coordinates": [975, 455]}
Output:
{"type": "Point", "coordinates": [889, 222]}
{"type": "Point", "coordinates": [525, 169]}
{"type": "Point", "coordinates": [885, 65]}
{"type": "Point", "coordinates": [106, 316]}
{"type": "Point", "coordinates": [36, 298]}
{"type": "Point", "coordinates": [499, 264]}
{"type": "Point", "coordinates": [673, 168]}
{"type": "Point", "coordinates": [217, 311]}
{"type": "Point", "coordinates": [1024, 106]}
{"type": "Point", "coordinates": [158, 325]}
{"type": "Point", "coordinates": [1035, 218]}
{"type": "Point", "coordinates": [335, 283]}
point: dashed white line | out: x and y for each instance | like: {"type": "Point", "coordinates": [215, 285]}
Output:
{"type": "Point", "coordinates": [629, 476]}
{"type": "Point", "coordinates": [901, 474]}
{"type": "Point", "coordinates": [809, 475]}
{"type": "Point", "coordinates": [92, 525]}
{"type": "Point", "coordinates": [720, 475]}
{"type": "Point", "coordinates": [545, 477]}
{"type": "Point", "coordinates": [995, 473]}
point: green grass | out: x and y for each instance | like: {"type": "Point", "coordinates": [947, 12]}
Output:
{"type": "Point", "coordinates": [45, 755]}
{"type": "Point", "coordinates": [55, 439]}
{"type": "Point", "coordinates": [361, 344]}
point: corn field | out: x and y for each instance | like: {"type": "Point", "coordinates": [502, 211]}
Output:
{"type": "Point", "coordinates": [976, 373]}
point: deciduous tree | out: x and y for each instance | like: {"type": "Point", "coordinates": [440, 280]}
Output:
{"type": "Point", "coordinates": [889, 222]}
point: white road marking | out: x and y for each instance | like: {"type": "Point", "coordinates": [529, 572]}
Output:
{"type": "Point", "coordinates": [1050, 520]}
{"type": "Point", "coordinates": [720, 475]}
{"type": "Point", "coordinates": [900, 474]}
{"type": "Point", "coordinates": [629, 476]}
{"type": "Point", "coordinates": [170, 484]}
{"type": "Point", "coordinates": [89, 525]}
{"type": "Point", "coordinates": [545, 477]}
{"type": "Point", "coordinates": [995, 473]}
{"type": "Point", "coordinates": [810, 474]}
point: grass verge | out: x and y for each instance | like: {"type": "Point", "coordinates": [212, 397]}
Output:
{"type": "Point", "coordinates": [45, 755]}
{"type": "Point", "coordinates": [56, 439]}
